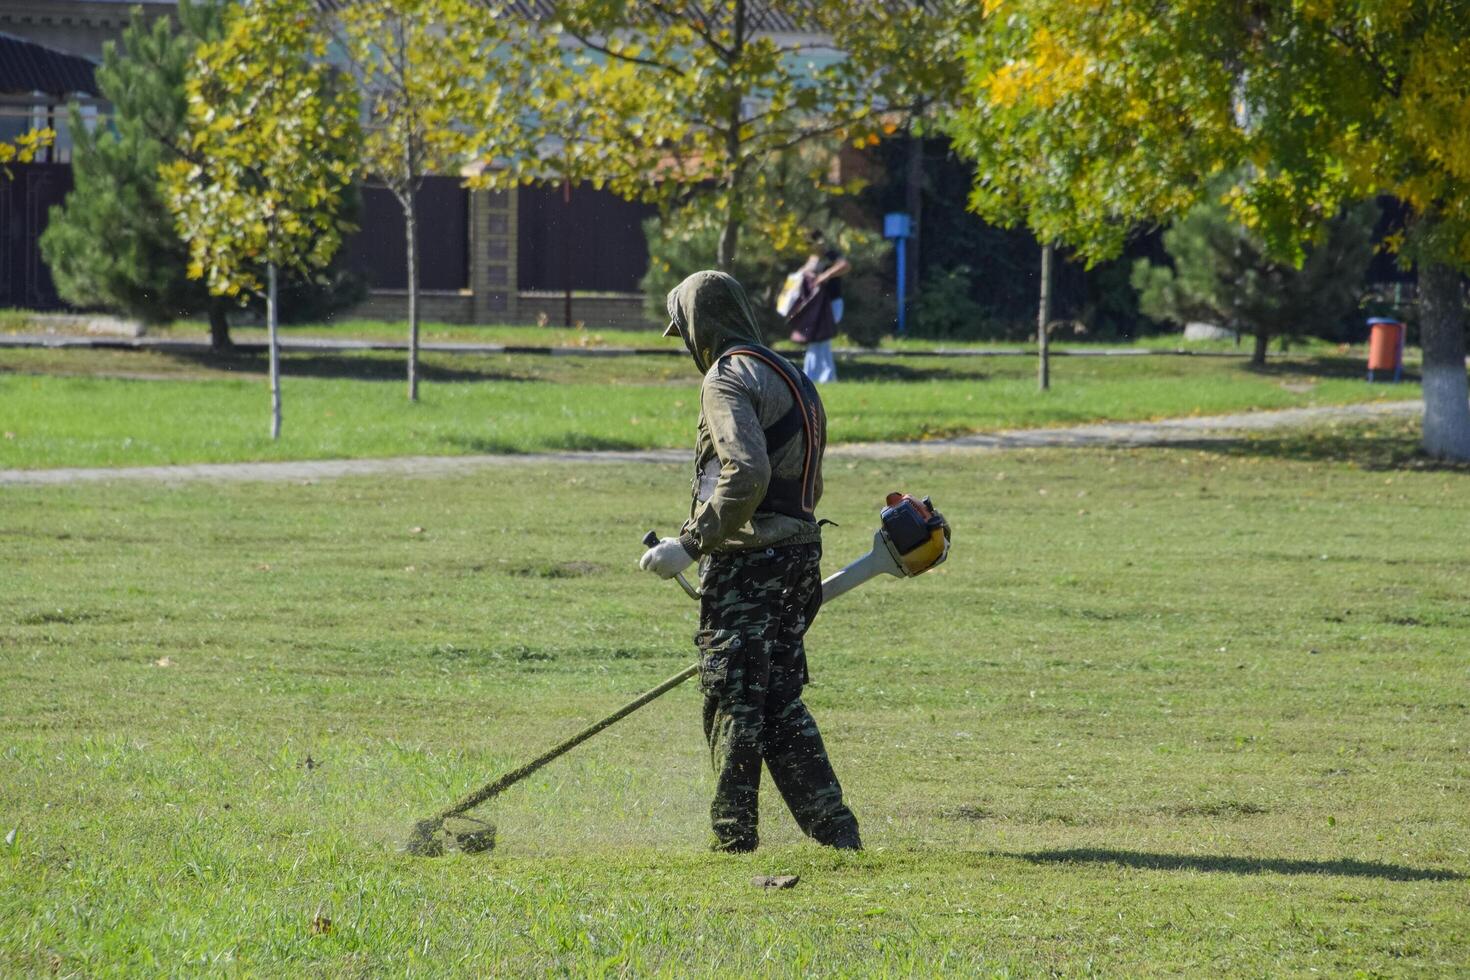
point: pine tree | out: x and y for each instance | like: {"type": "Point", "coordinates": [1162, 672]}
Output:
{"type": "Point", "coordinates": [112, 243]}
{"type": "Point", "coordinates": [1223, 274]}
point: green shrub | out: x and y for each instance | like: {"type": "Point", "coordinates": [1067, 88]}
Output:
{"type": "Point", "coordinates": [945, 309]}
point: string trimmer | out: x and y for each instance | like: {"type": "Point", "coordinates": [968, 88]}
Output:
{"type": "Point", "coordinates": [912, 538]}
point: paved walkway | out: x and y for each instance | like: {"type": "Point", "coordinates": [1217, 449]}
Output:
{"type": "Point", "coordinates": [1220, 427]}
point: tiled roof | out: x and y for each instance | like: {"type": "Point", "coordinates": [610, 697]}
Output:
{"type": "Point", "coordinates": [28, 67]}
{"type": "Point", "coordinates": [760, 16]}
{"type": "Point", "coordinates": [789, 17]}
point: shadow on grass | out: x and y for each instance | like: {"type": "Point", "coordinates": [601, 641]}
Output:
{"type": "Point", "coordinates": [379, 366]}
{"type": "Point", "coordinates": [1144, 860]}
{"type": "Point", "coordinates": [1323, 366]}
{"type": "Point", "coordinates": [572, 442]}
{"type": "Point", "coordinates": [348, 366]}
{"type": "Point", "coordinates": [1380, 446]}
{"type": "Point", "coordinates": [867, 370]}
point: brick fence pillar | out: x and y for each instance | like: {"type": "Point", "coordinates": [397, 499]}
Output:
{"type": "Point", "coordinates": [493, 255]}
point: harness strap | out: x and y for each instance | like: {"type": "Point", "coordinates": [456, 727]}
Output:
{"type": "Point", "coordinates": [792, 497]}
{"type": "Point", "coordinates": [786, 428]}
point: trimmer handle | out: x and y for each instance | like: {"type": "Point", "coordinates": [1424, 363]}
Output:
{"type": "Point", "coordinates": [649, 540]}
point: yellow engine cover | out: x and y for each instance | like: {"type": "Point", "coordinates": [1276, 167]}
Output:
{"type": "Point", "coordinates": [917, 536]}
{"type": "Point", "coordinates": [928, 554]}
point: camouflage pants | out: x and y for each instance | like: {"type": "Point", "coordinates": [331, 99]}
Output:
{"type": "Point", "coordinates": [756, 608]}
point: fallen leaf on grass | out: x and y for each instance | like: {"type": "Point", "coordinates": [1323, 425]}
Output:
{"type": "Point", "coordinates": [775, 881]}
{"type": "Point", "coordinates": [163, 662]}
{"type": "Point", "coordinates": [10, 837]}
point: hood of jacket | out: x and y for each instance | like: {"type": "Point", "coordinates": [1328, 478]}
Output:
{"type": "Point", "coordinates": [711, 313]}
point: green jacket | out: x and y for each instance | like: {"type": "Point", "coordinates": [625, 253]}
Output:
{"type": "Point", "coordinates": [739, 398]}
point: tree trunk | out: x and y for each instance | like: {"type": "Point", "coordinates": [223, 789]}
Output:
{"type": "Point", "coordinates": [1258, 356]}
{"type": "Point", "coordinates": [734, 202]}
{"type": "Point", "coordinates": [1446, 389]}
{"type": "Point", "coordinates": [275, 347]}
{"type": "Point", "coordinates": [1043, 319]}
{"type": "Point", "coordinates": [219, 328]}
{"type": "Point", "coordinates": [729, 239]}
{"type": "Point", "coordinates": [411, 245]}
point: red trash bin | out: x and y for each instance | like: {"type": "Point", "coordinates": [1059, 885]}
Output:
{"type": "Point", "coordinates": [1385, 347]}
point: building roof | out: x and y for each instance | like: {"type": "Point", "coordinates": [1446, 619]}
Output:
{"type": "Point", "coordinates": [28, 67]}
{"type": "Point", "coordinates": [763, 16]}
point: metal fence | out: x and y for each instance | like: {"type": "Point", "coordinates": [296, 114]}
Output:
{"type": "Point", "coordinates": [25, 200]}
{"type": "Point", "coordinates": [580, 238]}
{"type": "Point", "coordinates": [378, 252]}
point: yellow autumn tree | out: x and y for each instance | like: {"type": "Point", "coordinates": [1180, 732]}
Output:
{"type": "Point", "coordinates": [1086, 119]}
{"type": "Point", "coordinates": [667, 100]}
{"type": "Point", "coordinates": [436, 79]}
{"type": "Point", "coordinates": [272, 148]}
{"type": "Point", "coordinates": [23, 148]}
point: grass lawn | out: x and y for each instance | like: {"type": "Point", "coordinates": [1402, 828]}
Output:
{"type": "Point", "coordinates": [1187, 711]}
{"type": "Point", "coordinates": [119, 407]}
{"type": "Point", "coordinates": [21, 322]}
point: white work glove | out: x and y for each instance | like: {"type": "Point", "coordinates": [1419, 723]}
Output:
{"type": "Point", "coordinates": [666, 559]}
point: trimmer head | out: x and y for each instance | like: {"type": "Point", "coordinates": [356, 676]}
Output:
{"type": "Point", "coordinates": [431, 838]}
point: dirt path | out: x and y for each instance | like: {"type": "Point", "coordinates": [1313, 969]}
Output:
{"type": "Point", "coordinates": [1101, 434]}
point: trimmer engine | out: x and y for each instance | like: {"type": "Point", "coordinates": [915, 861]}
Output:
{"type": "Point", "coordinates": [915, 533]}
{"type": "Point", "coordinates": [913, 538]}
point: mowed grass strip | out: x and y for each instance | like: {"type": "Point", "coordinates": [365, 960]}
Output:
{"type": "Point", "coordinates": [1183, 711]}
{"type": "Point", "coordinates": [127, 408]}
{"type": "Point", "coordinates": [15, 322]}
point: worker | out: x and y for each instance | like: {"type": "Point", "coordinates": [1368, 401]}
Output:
{"type": "Point", "coordinates": [757, 481]}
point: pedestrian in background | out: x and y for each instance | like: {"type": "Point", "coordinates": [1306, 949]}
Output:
{"type": "Point", "coordinates": [817, 313]}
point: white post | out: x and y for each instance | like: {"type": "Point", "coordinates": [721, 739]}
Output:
{"type": "Point", "coordinates": [1043, 317]}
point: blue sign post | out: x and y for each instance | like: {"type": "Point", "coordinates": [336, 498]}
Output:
{"type": "Point", "coordinates": [896, 226]}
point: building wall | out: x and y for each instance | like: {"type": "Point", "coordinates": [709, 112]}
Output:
{"type": "Point", "coordinates": [75, 26]}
